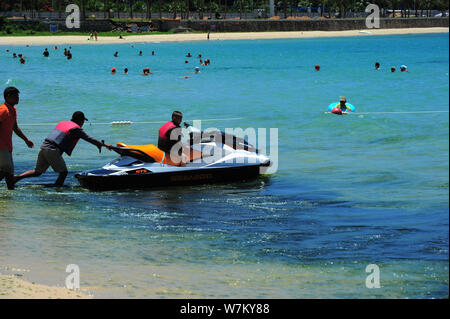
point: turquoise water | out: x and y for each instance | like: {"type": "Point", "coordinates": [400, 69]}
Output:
{"type": "Point", "coordinates": [367, 188]}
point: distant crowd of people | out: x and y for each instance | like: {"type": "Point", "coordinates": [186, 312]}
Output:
{"type": "Point", "coordinates": [146, 71]}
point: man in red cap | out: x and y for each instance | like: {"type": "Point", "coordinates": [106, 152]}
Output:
{"type": "Point", "coordinates": [62, 139]}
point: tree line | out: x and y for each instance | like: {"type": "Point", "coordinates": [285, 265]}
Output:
{"type": "Point", "coordinates": [220, 8]}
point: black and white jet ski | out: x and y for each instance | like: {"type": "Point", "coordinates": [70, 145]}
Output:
{"type": "Point", "coordinates": [217, 158]}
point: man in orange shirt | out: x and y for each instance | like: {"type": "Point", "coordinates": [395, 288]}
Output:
{"type": "Point", "coordinates": [8, 125]}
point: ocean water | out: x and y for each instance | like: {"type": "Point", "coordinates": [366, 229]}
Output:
{"type": "Point", "coordinates": [354, 190]}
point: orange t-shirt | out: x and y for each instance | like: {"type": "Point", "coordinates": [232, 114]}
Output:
{"type": "Point", "coordinates": [8, 117]}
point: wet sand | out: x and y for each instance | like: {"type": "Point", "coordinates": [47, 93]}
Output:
{"type": "Point", "coordinates": [12, 287]}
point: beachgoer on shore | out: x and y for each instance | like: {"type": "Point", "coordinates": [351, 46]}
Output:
{"type": "Point", "coordinates": [95, 35]}
{"type": "Point", "coordinates": [8, 125]}
{"type": "Point", "coordinates": [63, 139]}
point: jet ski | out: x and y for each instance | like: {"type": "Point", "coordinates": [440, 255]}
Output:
{"type": "Point", "coordinates": [214, 157]}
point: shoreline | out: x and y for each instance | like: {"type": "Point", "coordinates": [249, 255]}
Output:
{"type": "Point", "coordinates": [188, 37]}
{"type": "Point", "coordinates": [12, 287]}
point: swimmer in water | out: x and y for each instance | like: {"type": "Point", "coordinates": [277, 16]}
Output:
{"type": "Point", "coordinates": [116, 54]}
{"type": "Point", "coordinates": [342, 106]}
{"type": "Point", "coordinates": [197, 70]}
{"type": "Point", "coordinates": [392, 69]}
{"type": "Point", "coordinates": [146, 72]}
{"type": "Point", "coordinates": [403, 68]}
{"type": "Point", "coordinates": [140, 53]}
{"type": "Point", "coordinates": [153, 52]}
{"type": "Point", "coordinates": [317, 67]}
{"type": "Point", "coordinates": [22, 60]}
{"type": "Point", "coordinates": [125, 71]}
{"type": "Point", "coordinates": [69, 55]}
{"type": "Point", "coordinates": [46, 53]}
{"type": "Point", "coordinates": [377, 66]}
{"type": "Point", "coordinates": [189, 55]}
{"type": "Point", "coordinates": [14, 55]}
{"type": "Point", "coordinates": [113, 71]}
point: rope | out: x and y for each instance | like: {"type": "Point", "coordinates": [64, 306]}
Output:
{"type": "Point", "coordinates": [405, 112]}
{"type": "Point", "coordinates": [129, 122]}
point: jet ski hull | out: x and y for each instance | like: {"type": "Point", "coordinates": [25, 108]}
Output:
{"type": "Point", "coordinates": [142, 180]}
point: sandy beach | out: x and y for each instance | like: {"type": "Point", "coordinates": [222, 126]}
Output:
{"type": "Point", "coordinates": [12, 287]}
{"type": "Point", "coordinates": [58, 40]}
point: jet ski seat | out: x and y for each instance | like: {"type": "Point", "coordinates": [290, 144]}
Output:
{"type": "Point", "coordinates": [158, 155]}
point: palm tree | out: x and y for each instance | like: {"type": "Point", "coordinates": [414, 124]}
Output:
{"type": "Point", "coordinates": [160, 8]}
{"type": "Point", "coordinates": [118, 8]}
{"type": "Point", "coordinates": [149, 9]}
{"type": "Point", "coordinates": [187, 9]}
{"type": "Point", "coordinates": [131, 2]}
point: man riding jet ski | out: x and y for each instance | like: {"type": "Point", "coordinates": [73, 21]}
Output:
{"type": "Point", "coordinates": [208, 157]}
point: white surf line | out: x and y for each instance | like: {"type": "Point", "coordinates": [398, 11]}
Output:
{"type": "Point", "coordinates": [118, 123]}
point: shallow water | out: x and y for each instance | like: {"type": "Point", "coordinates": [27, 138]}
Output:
{"type": "Point", "coordinates": [349, 191]}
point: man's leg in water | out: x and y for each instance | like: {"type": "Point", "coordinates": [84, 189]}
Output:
{"type": "Point", "coordinates": [28, 174]}
{"type": "Point", "coordinates": [10, 181]}
{"type": "Point", "coordinates": [62, 177]}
